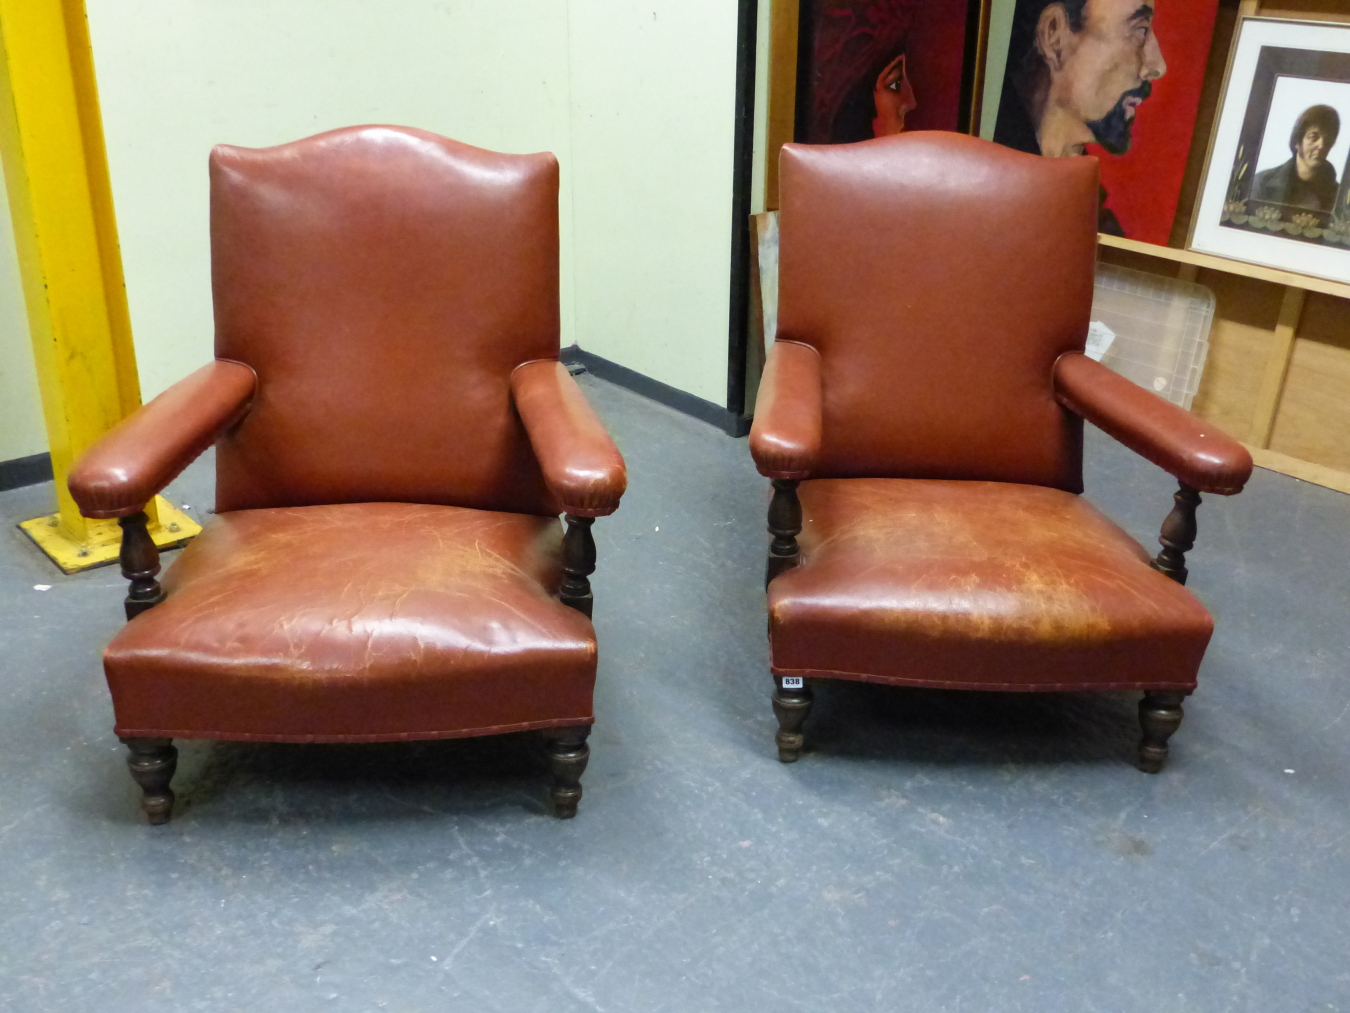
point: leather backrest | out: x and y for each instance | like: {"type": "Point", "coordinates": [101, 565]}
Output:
{"type": "Point", "coordinates": [383, 282]}
{"type": "Point", "coordinates": [939, 276]}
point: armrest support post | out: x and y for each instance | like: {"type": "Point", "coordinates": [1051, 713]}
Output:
{"type": "Point", "coordinates": [140, 565]}
{"type": "Point", "coordinates": [1178, 535]}
{"type": "Point", "coordinates": [578, 564]}
{"type": "Point", "coordinates": [785, 523]}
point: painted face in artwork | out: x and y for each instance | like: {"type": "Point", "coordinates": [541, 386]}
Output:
{"type": "Point", "coordinates": [1311, 152]}
{"type": "Point", "coordinates": [893, 97]}
{"type": "Point", "coordinates": [1103, 57]}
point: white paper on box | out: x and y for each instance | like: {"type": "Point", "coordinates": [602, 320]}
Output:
{"type": "Point", "coordinates": [1099, 338]}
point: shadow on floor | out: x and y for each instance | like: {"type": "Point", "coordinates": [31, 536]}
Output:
{"type": "Point", "coordinates": [953, 728]}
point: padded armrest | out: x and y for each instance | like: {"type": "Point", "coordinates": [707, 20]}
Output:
{"type": "Point", "coordinates": [1197, 454]}
{"type": "Point", "coordinates": [785, 436]}
{"type": "Point", "coordinates": [581, 465]}
{"type": "Point", "coordinates": [148, 449]}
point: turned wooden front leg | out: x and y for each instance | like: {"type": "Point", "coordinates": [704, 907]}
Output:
{"type": "Point", "coordinates": [578, 564]}
{"type": "Point", "coordinates": [1160, 716]}
{"type": "Point", "coordinates": [1178, 535]}
{"type": "Point", "coordinates": [152, 763]}
{"type": "Point", "coordinates": [140, 565]}
{"type": "Point", "coordinates": [785, 524]}
{"type": "Point", "coordinates": [568, 755]}
{"type": "Point", "coordinates": [792, 700]}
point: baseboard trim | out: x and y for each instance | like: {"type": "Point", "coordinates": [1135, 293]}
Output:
{"type": "Point", "coordinates": [25, 471]}
{"type": "Point", "coordinates": [729, 422]}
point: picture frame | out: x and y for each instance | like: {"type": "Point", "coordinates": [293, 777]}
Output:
{"type": "Point", "coordinates": [866, 68]}
{"type": "Point", "coordinates": [1276, 185]}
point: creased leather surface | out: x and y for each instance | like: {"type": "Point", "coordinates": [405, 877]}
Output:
{"type": "Point", "coordinates": [1196, 453]}
{"type": "Point", "coordinates": [785, 434]}
{"type": "Point", "coordinates": [977, 585]}
{"type": "Point", "coordinates": [137, 458]}
{"type": "Point", "coordinates": [357, 622]}
{"type": "Point", "coordinates": [383, 282]}
{"type": "Point", "coordinates": [939, 276]}
{"type": "Point", "coordinates": [581, 465]}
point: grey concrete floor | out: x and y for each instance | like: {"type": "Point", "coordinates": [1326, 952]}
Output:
{"type": "Point", "coordinates": [932, 852]}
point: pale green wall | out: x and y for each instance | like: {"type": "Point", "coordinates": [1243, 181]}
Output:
{"type": "Point", "coordinates": [653, 107]}
{"type": "Point", "coordinates": [21, 429]}
{"type": "Point", "coordinates": [761, 129]}
{"type": "Point", "coordinates": [177, 76]}
{"type": "Point", "coordinates": [636, 99]}
{"type": "Point", "coordinates": [1000, 28]}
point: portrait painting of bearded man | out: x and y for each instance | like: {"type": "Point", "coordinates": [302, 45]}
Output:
{"type": "Point", "coordinates": [1119, 79]}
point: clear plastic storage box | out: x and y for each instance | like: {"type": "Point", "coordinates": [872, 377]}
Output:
{"type": "Point", "coordinates": [1152, 330]}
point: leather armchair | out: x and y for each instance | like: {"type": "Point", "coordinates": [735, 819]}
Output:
{"type": "Point", "coordinates": [920, 417]}
{"type": "Point", "coordinates": [395, 440]}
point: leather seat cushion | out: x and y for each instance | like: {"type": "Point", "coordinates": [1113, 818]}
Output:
{"type": "Point", "coordinates": [977, 585]}
{"type": "Point", "coordinates": [357, 622]}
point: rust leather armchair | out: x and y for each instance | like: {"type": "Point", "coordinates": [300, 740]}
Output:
{"type": "Point", "coordinates": [920, 415]}
{"type": "Point", "coordinates": [395, 439]}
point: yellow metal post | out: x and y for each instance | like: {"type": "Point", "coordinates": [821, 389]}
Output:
{"type": "Point", "coordinates": [56, 171]}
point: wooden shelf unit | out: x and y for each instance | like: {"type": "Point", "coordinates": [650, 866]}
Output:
{"type": "Point", "coordinates": [1278, 373]}
{"type": "Point", "coordinates": [1241, 268]}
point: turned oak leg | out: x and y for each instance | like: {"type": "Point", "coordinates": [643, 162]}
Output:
{"type": "Point", "coordinates": [785, 524]}
{"type": "Point", "coordinates": [1178, 535]}
{"type": "Point", "coordinates": [791, 704]}
{"type": "Point", "coordinates": [152, 763]}
{"type": "Point", "coordinates": [140, 565]}
{"type": "Point", "coordinates": [578, 564]}
{"type": "Point", "coordinates": [567, 758]}
{"type": "Point", "coordinates": [1160, 715]}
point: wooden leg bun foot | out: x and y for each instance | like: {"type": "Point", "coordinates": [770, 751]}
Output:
{"type": "Point", "coordinates": [1160, 716]}
{"type": "Point", "coordinates": [791, 706]}
{"type": "Point", "coordinates": [568, 755]}
{"type": "Point", "coordinates": [152, 763]}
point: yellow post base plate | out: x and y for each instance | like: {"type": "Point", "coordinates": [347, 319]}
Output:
{"type": "Point", "coordinates": [105, 537]}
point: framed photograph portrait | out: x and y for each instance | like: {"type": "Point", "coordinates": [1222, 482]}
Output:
{"type": "Point", "coordinates": [1119, 79]}
{"type": "Point", "coordinates": [868, 68]}
{"type": "Point", "coordinates": [1277, 185]}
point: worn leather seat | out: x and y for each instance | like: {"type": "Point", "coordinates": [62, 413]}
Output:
{"type": "Point", "coordinates": [989, 584]}
{"type": "Point", "coordinates": [395, 439]}
{"type": "Point", "coordinates": [921, 417]}
{"type": "Point", "coordinates": [392, 621]}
